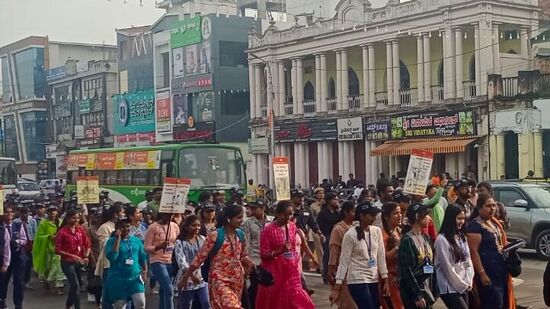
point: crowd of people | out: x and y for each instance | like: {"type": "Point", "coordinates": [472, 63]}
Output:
{"type": "Point", "coordinates": [377, 248]}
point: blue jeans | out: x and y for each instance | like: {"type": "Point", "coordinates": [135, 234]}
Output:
{"type": "Point", "coordinates": [365, 295]}
{"type": "Point", "coordinates": [72, 271]}
{"type": "Point", "coordinates": [198, 297]}
{"type": "Point", "coordinates": [166, 289]}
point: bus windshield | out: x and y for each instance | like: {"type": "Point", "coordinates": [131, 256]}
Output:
{"type": "Point", "coordinates": [8, 175]}
{"type": "Point", "coordinates": [217, 168]}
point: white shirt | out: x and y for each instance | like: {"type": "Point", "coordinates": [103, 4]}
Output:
{"type": "Point", "coordinates": [452, 277]}
{"type": "Point", "coordinates": [357, 192]}
{"type": "Point", "coordinates": [355, 256]}
{"type": "Point", "coordinates": [378, 221]}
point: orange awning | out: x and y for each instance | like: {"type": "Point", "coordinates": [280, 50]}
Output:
{"type": "Point", "coordinates": [402, 148]}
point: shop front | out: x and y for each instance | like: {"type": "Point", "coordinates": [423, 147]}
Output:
{"type": "Point", "coordinates": [450, 135]}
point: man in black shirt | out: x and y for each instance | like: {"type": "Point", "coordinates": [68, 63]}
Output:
{"type": "Point", "coordinates": [304, 218]}
{"type": "Point", "coordinates": [327, 218]}
{"type": "Point", "coordinates": [352, 182]}
{"type": "Point", "coordinates": [463, 192]}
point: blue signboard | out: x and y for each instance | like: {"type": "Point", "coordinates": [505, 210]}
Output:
{"type": "Point", "coordinates": [134, 112]}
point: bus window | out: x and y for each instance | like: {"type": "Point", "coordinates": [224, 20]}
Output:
{"type": "Point", "coordinates": [124, 177]}
{"type": "Point", "coordinates": [212, 167]}
{"type": "Point", "coordinates": [71, 177]}
{"type": "Point", "coordinates": [110, 177]}
{"type": "Point", "coordinates": [8, 176]}
{"type": "Point", "coordinates": [101, 176]}
{"type": "Point", "coordinates": [155, 178]}
{"type": "Point", "coordinates": [140, 177]}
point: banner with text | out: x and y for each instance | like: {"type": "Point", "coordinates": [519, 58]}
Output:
{"type": "Point", "coordinates": [87, 188]}
{"type": "Point", "coordinates": [435, 124]}
{"type": "Point", "coordinates": [350, 129]}
{"type": "Point", "coordinates": [418, 173]}
{"type": "Point", "coordinates": [163, 116]}
{"type": "Point", "coordinates": [174, 195]}
{"type": "Point", "coordinates": [282, 178]}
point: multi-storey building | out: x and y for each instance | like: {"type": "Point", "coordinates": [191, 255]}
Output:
{"type": "Point", "coordinates": [25, 118]}
{"type": "Point", "coordinates": [356, 93]}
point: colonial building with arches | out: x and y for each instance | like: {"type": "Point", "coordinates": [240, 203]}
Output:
{"type": "Point", "coordinates": [355, 93]}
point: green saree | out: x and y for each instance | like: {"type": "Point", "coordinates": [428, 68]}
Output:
{"type": "Point", "coordinates": [46, 263]}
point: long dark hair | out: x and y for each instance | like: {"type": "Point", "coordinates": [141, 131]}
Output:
{"type": "Point", "coordinates": [449, 230]}
{"type": "Point", "coordinates": [229, 213]}
{"type": "Point", "coordinates": [68, 215]}
{"type": "Point", "coordinates": [186, 224]}
{"type": "Point", "coordinates": [481, 199]}
{"type": "Point", "coordinates": [387, 210]}
{"type": "Point", "coordinates": [111, 212]}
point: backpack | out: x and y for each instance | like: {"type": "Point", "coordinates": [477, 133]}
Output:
{"type": "Point", "coordinates": [205, 269]}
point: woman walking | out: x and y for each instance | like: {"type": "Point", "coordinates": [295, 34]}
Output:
{"type": "Point", "coordinates": [280, 256]}
{"type": "Point", "coordinates": [73, 245]}
{"type": "Point", "coordinates": [363, 261]}
{"type": "Point", "coordinates": [187, 246]}
{"type": "Point", "coordinates": [46, 262]}
{"type": "Point", "coordinates": [137, 228]}
{"type": "Point", "coordinates": [486, 239]}
{"type": "Point", "coordinates": [455, 274]}
{"type": "Point", "coordinates": [160, 242]}
{"type": "Point", "coordinates": [128, 270]}
{"type": "Point", "coordinates": [229, 261]}
{"type": "Point", "coordinates": [391, 232]}
{"type": "Point", "coordinates": [417, 284]}
{"type": "Point", "coordinates": [335, 244]}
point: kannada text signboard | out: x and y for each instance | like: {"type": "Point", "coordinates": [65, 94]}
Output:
{"type": "Point", "coordinates": [186, 32]}
{"type": "Point", "coordinates": [436, 124]}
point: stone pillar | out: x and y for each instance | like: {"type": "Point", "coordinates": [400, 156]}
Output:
{"type": "Point", "coordinates": [328, 154]}
{"type": "Point", "coordinates": [396, 73]}
{"type": "Point", "coordinates": [389, 72]}
{"type": "Point", "coordinates": [459, 63]}
{"type": "Point", "coordinates": [282, 87]}
{"type": "Point", "coordinates": [450, 164]}
{"type": "Point", "coordinates": [375, 166]}
{"type": "Point", "coordinates": [293, 75]}
{"type": "Point", "coordinates": [321, 162]}
{"type": "Point", "coordinates": [461, 158]}
{"type": "Point", "coordinates": [323, 83]}
{"type": "Point", "coordinates": [338, 81]}
{"type": "Point", "coordinates": [252, 82]}
{"type": "Point", "coordinates": [305, 165]}
{"type": "Point", "coordinates": [448, 65]}
{"type": "Point", "coordinates": [341, 158]}
{"type": "Point", "coordinates": [477, 53]}
{"type": "Point", "coordinates": [269, 83]}
{"type": "Point", "coordinates": [258, 87]}
{"type": "Point", "coordinates": [372, 76]}
{"type": "Point", "coordinates": [345, 81]}
{"type": "Point", "coordinates": [276, 107]}
{"type": "Point", "coordinates": [427, 69]}
{"type": "Point", "coordinates": [493, 158]}
{"type": "Point", "coordinates": [365, 53]}
{"type": "Point", "coordinates": [300, 86]}
{"type": "Point", "coordinates": [500, 155]}
{"type": "Point", "coordinates": [392, 166]}
{"type": "Point", "coordinates": [486, 55]}
{"type": "Point", "coordinates": [496, 49]}
{"type": "Point", "coordinates": [537, 150]}
{"type": "Point", "coordinates": [524, 36]}
{"type": "Point", "coordinates": [347, 163]}
{"type": "Point", "coordinates": [420, 68]}
{"type": "Point", "coordinates": [317, 82]}
{"type": "Point", "coordinates": [298, 164]}
{"type": "Point", "coordinates": [368, 163]}
{"type": "Point", "coordinates": [523, 153]}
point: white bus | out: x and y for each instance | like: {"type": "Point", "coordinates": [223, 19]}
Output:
{"type": "Point", "coordinates": [8, 175]}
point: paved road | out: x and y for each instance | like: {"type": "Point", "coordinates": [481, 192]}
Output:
{"type": "Point", "coordinates": [529, 292]}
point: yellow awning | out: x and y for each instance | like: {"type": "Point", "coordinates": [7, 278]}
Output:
{"type": "Point", "coordinates": [439, 145]}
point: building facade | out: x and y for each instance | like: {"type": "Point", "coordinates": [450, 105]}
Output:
{"type": "Point", "coordinates": [356, 93]}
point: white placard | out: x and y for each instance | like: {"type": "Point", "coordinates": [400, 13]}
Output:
{"type": "Point", "coordinates": [174, 195]}
{"type": "Point", "coordinates": [418, 173]}
{"type": "Point", "coordinates": [282, 178]}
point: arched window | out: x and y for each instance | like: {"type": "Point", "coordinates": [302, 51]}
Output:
{"type": "Point", "coordinates": [405, 76]}
{"type": "Point", "coordinates": [309, 92]}
{"type": "Point", "coordinates": [331, 89]}
{"type": "Point", "coordinates": [353, 81]}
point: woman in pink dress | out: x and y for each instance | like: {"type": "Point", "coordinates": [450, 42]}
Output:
{"type": "Point", "coordinates": [280, 257]}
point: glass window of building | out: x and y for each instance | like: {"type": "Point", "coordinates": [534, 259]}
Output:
{"type": "Point", "coordinates": [235, 103]}
{"type": "Point", "coordinates": [10, 135]}
{"type": "Point", "coordinates": [233, 54]}
{"type": "Point", "coordinates": [34, 133]}
{"type": "Point", "coordinates": [30, 75]}
{"type": "Point", "coordinates": [6, 82]}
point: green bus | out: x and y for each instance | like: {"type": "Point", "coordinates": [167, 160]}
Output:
{"type": "Point", "coordinates": [127, 173]}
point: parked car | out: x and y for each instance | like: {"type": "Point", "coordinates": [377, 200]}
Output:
{"type": "Point", "coordinates": [528, 207]}
{"type": "Point", "coordinates": [28, 190]}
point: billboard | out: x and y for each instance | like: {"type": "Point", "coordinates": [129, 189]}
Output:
{"type": "Point", "coordinates": [186, 32]}
{"type": "Point", "coordinates": [135, 112]}
{"type": "Point", "coordinates": [433, 124]}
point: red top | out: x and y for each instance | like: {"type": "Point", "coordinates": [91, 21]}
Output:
{"type": "Point", "coordinates": [76, 243]}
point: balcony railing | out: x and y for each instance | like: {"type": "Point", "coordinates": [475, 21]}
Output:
{"type": "Point", "coordinates": [309, 108]}
{"type": "Point", "coordinates": [510, 87]}
{"type": "Point", "coordinates": [354, 102]}
{"type": "Point", "coordinates": [381, 98]}
{"type": "Point", "coordinates": [469, 90]}
{"type": "Point", "coordinates": [408, 97]}
{"type": "Point", "coordinates": [437, 93]}
{"type": "Point", "coordinates": [332, 105]}
{"type": "Point", "coordinates": [289, 108]}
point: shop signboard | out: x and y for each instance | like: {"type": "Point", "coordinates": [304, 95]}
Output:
{"type": "Point", "coordinates": [134, 112]}
{"type": "Point", "coordinates": [186, 32]}
{"type": "Point", "coordinates": [433, 124]}
{"type": "Point", "coordinates": [192, 84]}
{"type": "Point", "coordinates": [51, 151]}
{"type": "Point", "coordinates": [418, 173]}
{"type": "Point", "coordinates": [350, 129]}
{"type": "Point", "coordinates": [195, 131]}
{"type": "Point", "coordinates": [163, 113]}
{"type": "Point", "coordinates": [85, 106]}
{"type": "Point", "coordinates": [174, 195]}
{"type": "Point", "coordinates": [318, 130]}
{"type": "Point", "coordinates": [258, 145]}
{"type": "Point", "coordinates": [281, 176]}
{"type": "Point", "coordinates": [378, 130]}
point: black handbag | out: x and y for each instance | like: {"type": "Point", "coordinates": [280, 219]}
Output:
{"type": "Point", "coordinates": [513, 263]}
{"type": "Point", "coordinates": [262, 276]}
